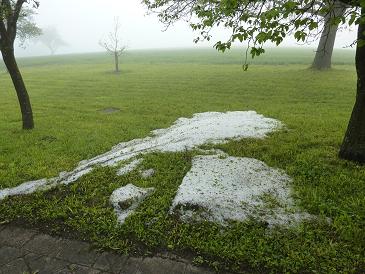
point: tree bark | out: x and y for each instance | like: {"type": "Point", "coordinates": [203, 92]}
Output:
{"type": "Point", "coordinates": [21, 91]}
{"type": "Point", "coordinates": [116, 59]}
{"type": "Point", "coordinates": [323, 58]}
{"type": "Point", "coordinates": [353, 146]}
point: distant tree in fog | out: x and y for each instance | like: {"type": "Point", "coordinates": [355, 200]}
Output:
{"type": "Point", "coordinates": [51, 39]}
{"type": "Point", "coordinates": [113, 43]}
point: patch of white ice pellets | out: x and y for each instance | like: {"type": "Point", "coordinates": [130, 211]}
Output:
{"type": "Point", "coordinates": [185, 133]}
{"type": "Point", "coordinates": [235, 189]}
{"type": "Point", "coordinates": [126, 199]}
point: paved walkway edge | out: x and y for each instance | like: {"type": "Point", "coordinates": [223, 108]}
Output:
{"type": "Point", "coordinates": [29, 251]}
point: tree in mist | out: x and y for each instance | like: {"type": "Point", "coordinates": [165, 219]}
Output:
{"type": "Point", "coordinates": [51, 39]}
{"type": "Point", "coordinates": [113, 44]}
{"type": "Point", "coordinates": [323, 57]}
{"type": "Point", "coordinates": [257, 22]}
{"type": "Point", "coordinates": [13, 22]}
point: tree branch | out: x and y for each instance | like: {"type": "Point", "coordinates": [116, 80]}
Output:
{"type": "Point", "coordinates": [13, 19]}
{"type": "Point", "coordinates": [352, 3]}
{"type": "Point", "coordinates": [113, 43]}
{"type": "Point", "coordinates": [17, 8]}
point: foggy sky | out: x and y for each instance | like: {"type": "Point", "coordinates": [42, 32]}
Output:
{"type": "Point", "coordinates": [82, 23]}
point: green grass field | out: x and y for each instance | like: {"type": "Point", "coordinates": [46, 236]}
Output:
{"type": "Point", "coordinates": [153, 90]}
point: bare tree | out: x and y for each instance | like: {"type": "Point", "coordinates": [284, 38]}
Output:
{"type": "Point", "coordinates": [113, 43]}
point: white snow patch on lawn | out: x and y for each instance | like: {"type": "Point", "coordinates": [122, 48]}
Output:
{"type": "Point", "coordinates": [23, 189]}
{"type": "Point", "coordinates": [236, 189]}
{"type": "Point", "coordinates": [185, 133]}
{"type": "Point", "coordinates": [129, 167]}
{"type": "Point", "coordinates": [125, 200]}
{"type": "Point", "coordinates": [189, 133]}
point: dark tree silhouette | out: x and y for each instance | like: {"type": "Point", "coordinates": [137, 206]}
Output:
{"type": "Point", "coordinates": [10, 16]}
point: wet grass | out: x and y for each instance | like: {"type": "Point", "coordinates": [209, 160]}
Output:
{"type": "Point", "coordinates": [153, 91]}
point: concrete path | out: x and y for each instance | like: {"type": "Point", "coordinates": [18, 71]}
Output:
{"type": "Point", "coordinates": [28, 251]}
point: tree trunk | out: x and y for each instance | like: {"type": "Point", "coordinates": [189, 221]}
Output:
{"type": "Point", "coordinates": [116, 59]}
{"type": "Point", "coordinates": [21, 91]}
{"type": "Point", "coordinates": [323, 58]}
{"type": "Point", "coordinates": [353, 146]}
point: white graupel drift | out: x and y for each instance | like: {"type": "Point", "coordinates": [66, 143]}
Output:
{"type": "Point", "coordinates": [185, 133]}
{"type": "Point", "coordinates": [129, 167]}
{"type": "Point", "coordinates": [26, 188]}
{"type": "Point", "coordinates": [234, 189]}
{"type": "Point", "coordinates": [126, 199]}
